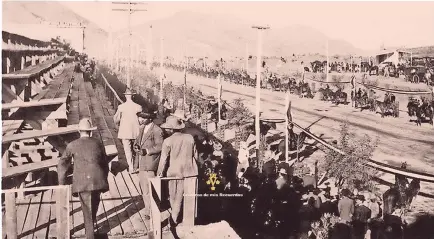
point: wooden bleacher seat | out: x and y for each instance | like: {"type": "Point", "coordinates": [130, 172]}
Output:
{"type": "Point", "coordinates": [28, 168]}
{"type": "Point", "coordinates": [40, 133]}
{"type": "Point", "coordinates": [32, 71]}
{"type": "Point", "coordinates": [29, 104]}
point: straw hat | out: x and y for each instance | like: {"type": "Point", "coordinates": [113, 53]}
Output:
{"type": "Point", "coordinates": [173, 122]}
{"type": "Point", "coordinates": [180, 114]}
{"type": "Point", "coordinates": [128, 92]}
{"type": "Point", "coordinates": [85, 125]}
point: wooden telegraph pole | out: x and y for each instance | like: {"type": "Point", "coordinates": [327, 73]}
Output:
{"type": "Point", "coordinates": [70, 25]}
{"type": "Point", "coordinates": [328, 61]}
{"type": "Point", "coordinates": [161, 68]}
{"type": "Point", "coordinates": [130, 11]}
{"type": "Point", "coordinates": [258, 89]}
{"type": "Point", "coordinates": [150, 56]}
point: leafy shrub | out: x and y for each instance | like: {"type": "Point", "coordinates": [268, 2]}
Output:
{"type": "Point", "coordinates": [351, 168]}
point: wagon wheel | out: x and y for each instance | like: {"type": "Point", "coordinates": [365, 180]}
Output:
{"type": "Point", "coordinates": [415, 79]}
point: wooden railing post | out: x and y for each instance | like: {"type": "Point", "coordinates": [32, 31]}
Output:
{"type": "Point", "coordinates": [11, 216]}
{"type": "Point", "coordinates": [62, 213]}
{"type": "Point", "coordinates": [155, 191]}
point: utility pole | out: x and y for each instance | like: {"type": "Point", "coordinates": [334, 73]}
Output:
{"type": "Point", "coordinates": [69, 25]}
{"type": "Point", "coordinates": [328, 62]}
{"type": "Point", "coordinates": [161, 68]}
{"type": "Point", "coordinates": [258, 89]}
{"type": "Point", "coordinates": [130, 11]}
{"type": "Point", "coordinates": [150, 53]}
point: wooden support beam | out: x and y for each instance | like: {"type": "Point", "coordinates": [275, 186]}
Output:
{"type": "Point", "coordinates": [11, 216]}
{"type": "Point", "coordinates": [155, 193]}
{"type": "Point", "coordinates": [62, 213]}
{"type": "Point", "coordinates": [39, 103]}
{"type": "Point", "coordinates": [40, 133]}
{"type": "Point", "coordinates": [28, 168]}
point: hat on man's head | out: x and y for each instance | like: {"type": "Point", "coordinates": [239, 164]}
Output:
{"type": "Point", "coordinates": [212, 100]}
{"type": "Point", "coordinates": [128, 92]}
{"type": "Point", "coordinates": [173, 122]}
{"type": "Point", "coordinates": [146, 115]}
{"type": "Point", "coordinates": [85, 125]}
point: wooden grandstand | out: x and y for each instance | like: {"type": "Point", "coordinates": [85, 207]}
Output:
{"type": "Point", "coordinates": [43, 101]}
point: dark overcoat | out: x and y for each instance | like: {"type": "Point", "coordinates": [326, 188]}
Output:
{"type": "Point", "coordinates": [90, 165]}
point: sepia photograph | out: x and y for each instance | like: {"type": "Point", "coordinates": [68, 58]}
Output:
{"type": "Point", "coordinates": [217, 119]}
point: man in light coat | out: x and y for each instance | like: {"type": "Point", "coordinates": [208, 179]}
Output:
{"type": "Point", "coordinates": [148, 148]}
{"type": "Point", "coordinates": [126, 118]}
{"type": "Point", "coordinates": [90, 171]}
{"type": "Point", "coordinates": [179, 159]}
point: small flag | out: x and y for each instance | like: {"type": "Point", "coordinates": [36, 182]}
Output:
{"type": "Point", "coordinates": [288, 108]}
{"type": "Point", "coordinates": [352, 81]}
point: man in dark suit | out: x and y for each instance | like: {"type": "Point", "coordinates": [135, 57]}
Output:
{"type": "Point", "coordinates": [148, 148]}
{"type": "Point", "coordinates": [179, 158]}
{"type": "Point", "coordinates": [360, 219]}
{"type": "Point", "coordinates": [89, 173]}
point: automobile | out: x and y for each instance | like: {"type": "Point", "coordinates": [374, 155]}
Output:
{"type": "Point", "coordinates": [415, 74]}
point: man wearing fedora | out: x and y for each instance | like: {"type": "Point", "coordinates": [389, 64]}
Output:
{"type": "Point", "coordinates": [148, 148]}
{"type": "Point", "coordinates": [90, 172]}
{"type": "Point", "coordinates": [126, 118]}
{"type": "Point", "coordinates": [179, 159]}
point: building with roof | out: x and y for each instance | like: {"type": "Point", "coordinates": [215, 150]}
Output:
{"type": "Point", "coordinates": [395, 56]}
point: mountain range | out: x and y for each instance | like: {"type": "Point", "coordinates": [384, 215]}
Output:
{"type": "Point", "coordinates": [18, 13]}
{"type": "Point", "coordinates": [194, 34]}
{"type": "Point", "coordinates": [226, 36]}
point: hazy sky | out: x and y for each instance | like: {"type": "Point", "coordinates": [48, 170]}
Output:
{"type": "Point", "coordinates": [365, 24]}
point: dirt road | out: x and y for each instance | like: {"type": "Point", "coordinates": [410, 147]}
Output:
{"type": "Point", "coordinates": [400, 140]}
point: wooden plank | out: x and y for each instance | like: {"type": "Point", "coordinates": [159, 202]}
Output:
{"type": "Point", "coordinates": [124, 217]}
{"type": "Point", "coordinates": [111, 213]}
{"type": "Point", "coordinates": [27, 168]}
{"type": "Point", "coordinates": [40, 133]}
{"type": "Point", "coordinates": [32, 70]}
{"type": "Point", "coordinates": [22, 212]}
{"type": "Point", "coordinates": [43, 222]}
{"type": "Point", "coordinates": [138, 225]}
{"type": "Point", "coordinates": [133, 181]}
{"type": "Point", "coordinates": [62, 209]}
{"type": "Point", "coordinates": [32, 216]}
{"type": "Point", "coordinates": [11, 126]}
{"type": "Point", "coordinates": [11, 216]}
{"type": "Point", "coordinates": [155, 192]}
{"type": "Point", "coordinates": [29, 104]}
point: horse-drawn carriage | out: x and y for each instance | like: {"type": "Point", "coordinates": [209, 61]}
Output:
{"type": "Point", "coordinates": [365, 100]}
{"type": "Point", "coordinates": [389, 106]}
{"type": "Point", "coordinates": [337, 97]}
{"type": "Point", "coordinates": [301, 89]}
{"type": "Point", "coordinates": [423, 110]}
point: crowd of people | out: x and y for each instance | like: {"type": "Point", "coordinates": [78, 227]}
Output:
{"type": "Point", "coordinates": [269, 200]}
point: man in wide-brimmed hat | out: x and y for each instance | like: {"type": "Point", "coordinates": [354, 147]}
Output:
{"type": "Point", "coordinates": [126, 118]}
{"type": "Point", "coordinates": [148, 149]}
{"type": "Point", "coordinates": [90, 172]}
{"type": "Point", "coordinates": [180, 114]}
{"type": "Point", "coordinates": [179, 159]}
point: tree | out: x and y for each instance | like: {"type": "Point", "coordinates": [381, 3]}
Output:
{"type": "Point", "coordinates": [351, 168]}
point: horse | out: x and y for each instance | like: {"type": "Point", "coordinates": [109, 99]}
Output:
{"type": "Point", "coordinates": [425, 111]}
{"type": "Point", "coordinates": [401, 194]}
{"type": "Point", "coordinates": [340, 97]}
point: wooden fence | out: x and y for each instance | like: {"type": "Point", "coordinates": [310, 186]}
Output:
{"type": "Point", "coordinates": [62, 210]}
